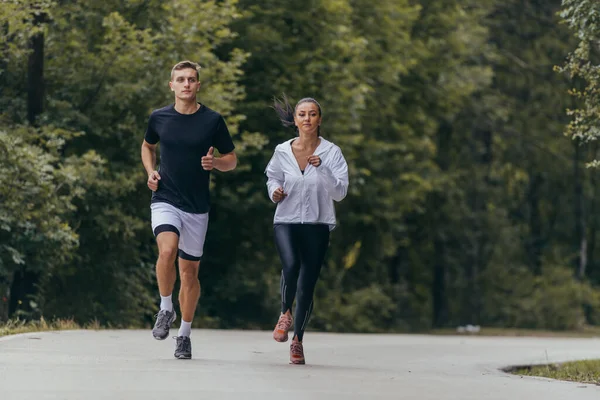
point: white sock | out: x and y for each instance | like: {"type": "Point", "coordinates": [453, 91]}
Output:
{"type": "Point", "coordinates": [185, 329]}
{"type": "Point", "coordinates": [166, 303]}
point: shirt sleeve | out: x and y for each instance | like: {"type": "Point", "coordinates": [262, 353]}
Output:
{"type": "Point", "coordinates": [222, 139]}
{"type": "Point", "coordinates": [275, 177]}
{"type": "Point", "coordinates": [334, 174]}
{"type": "Point", "coordinates": [151, 136]}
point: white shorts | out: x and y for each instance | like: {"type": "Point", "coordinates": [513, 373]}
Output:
{"type": "Point", "coordinates": [191, 228]}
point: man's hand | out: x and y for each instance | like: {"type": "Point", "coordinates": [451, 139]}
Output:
{"type": "Point", "coordinates": [208, 161]}
{"type": "Point", "coordinates": [153, 179]}
{"type": "Point", "coordinates": [279, 195]}
{"type": "Point", "coordinates": [315, 161]}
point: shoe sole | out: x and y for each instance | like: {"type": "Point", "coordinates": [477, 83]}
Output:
{"type": "Point", "coordinates": [280, 340]}
{"type": "Point", "coordinates": [298, 362]}
{"type": "Point", "coordinates": [184, 357]}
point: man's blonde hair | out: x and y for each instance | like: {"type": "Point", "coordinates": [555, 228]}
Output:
{"type": "Point", "coordinates": [185, 65]}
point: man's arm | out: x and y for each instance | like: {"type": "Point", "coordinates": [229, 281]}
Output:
{"type": "Point", "coordinates": [149, 161]}
{"type": "Point", "coordinates": [148, 156]}
{"type": "Point", "coordinates": [226, 162]}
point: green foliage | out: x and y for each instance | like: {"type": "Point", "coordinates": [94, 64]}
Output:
{"type": "Point", "coordinates": [514, 297]}
{"type": "Point", "coordinates": [583, 18]}
{"type": "Point", "coordinates": [371, 309]}
{"type": "Point", "coordinates": [364, 310]}
{"type": "Point", "coordinates": [38, 191]}
{"type": "Point", "coordinates": [113, 80]}
{"type": "Point", "coordinates": [102, 75]}
{"type": "Point", "coordinates": [463, 196]}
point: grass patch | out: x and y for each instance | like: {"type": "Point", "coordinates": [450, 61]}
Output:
{"type": "Point", "coordinates": [587, 371]}
{"type": "Point", "coordinates": [15, 326]}
{"type": "Point", "coordinates": [588, 331]}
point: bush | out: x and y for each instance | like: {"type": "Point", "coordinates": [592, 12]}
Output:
{"type": "Point", "coordinates": [515, 298]}
{"type": "Point", "coordinates": [370, 310]}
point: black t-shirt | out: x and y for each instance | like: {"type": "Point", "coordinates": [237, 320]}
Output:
{"type": "Point", "coordinates": [184, 140]}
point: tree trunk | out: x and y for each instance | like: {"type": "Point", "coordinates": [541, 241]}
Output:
{"type": "Point", "coordinates": [593, 227]}
{"type": "Point", "coordinates": [35, 74]}
{"type": "Point", "coordinates": [5, 297]}
{"type": "Point", "coordinates": [21, 290]}
{"type": "Point", "coordinates": [395, 265]}
{"type": "Point", "coordinates": [439, 225]}
{"type": "Point", "coordinates": [535, 242]}
{"type": "Point", "coordinates": [479, 190]}
{"type": "Point", "coordinates": [580, 224]}
{"type": "Point", "coordinates": [4, 56]}
{"type": "Point", "coordinates": [440, 301]}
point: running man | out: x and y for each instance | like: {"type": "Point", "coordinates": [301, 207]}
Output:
{"type": "Point", "coordinates": [188, 132]}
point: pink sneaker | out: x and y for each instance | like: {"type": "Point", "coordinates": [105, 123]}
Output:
{"type": "Point", "coordinates": [280, 333]}
{"type": "Point", "coordinates": [296, 353]}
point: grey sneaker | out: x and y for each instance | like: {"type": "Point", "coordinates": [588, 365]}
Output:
{"type": "Point", "coordinates": [164, 320]}
{"type": "Point", "coordinates": [183, 348]}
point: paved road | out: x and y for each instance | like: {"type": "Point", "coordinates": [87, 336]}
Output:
{"type": "Point", "coordinates": [130, 365]}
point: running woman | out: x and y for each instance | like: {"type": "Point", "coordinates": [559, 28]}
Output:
{"type": "Point", "coordinates": [188, 132]}
{"type": "Point", "coordinates": [305, 175]}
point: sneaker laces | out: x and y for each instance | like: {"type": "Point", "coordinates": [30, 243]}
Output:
{"type": "Point", "coordinates": [162, 319]}
{"type": "Point", "coordinates": [184, 344]}
{"type": "Point", "coordinates": [296, 349]}
{"type": "Point", "coordinates": [283, 323]}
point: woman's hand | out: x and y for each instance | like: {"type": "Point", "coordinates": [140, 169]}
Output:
{"type": "Point", "coordinates": [279, 195]}
{"type": "Point", "coordinates": [314, 160]}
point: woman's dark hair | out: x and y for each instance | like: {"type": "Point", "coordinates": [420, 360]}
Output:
{"type": "Point", "coordinates": [286, 112]}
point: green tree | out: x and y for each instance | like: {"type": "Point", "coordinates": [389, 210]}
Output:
{"type": "Point", "coordinates": [581, 68]}
{"type": "Point", "coordinates": [583, 19]}
{"type": "Point", "coordinates": [39, 189]}
{"type": "Point", "coordinates": [39, 186]}
{"type": "Point", "coordinates": [107, 66]}
{"type": "Point", "coordinates": [371, 67]}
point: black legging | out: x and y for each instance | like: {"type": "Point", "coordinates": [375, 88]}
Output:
{"type": "Point", "coordinates": [302, 249]}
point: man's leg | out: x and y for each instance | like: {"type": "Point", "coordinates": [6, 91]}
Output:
{"type": "Point", "coordinates": [191, 248]}
{"type": "Point", "coordinates": [166, 226]}
{"type": "Point", "coordinates": [189, 294]}
{"type": "Point", "coordinates": [165, 265]}
{"type": "Point", "coordinates": [165, 276]}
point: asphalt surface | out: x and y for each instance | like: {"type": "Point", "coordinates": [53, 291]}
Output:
{"type": "Point", "coordinates": [131, 365]}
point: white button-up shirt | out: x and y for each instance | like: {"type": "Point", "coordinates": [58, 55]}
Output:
{"type": "Point", "coordinates": [310, 196]}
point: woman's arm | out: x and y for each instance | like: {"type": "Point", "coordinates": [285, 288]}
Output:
{"type": "Point", "coordinates": [275, 177]}
{"type": "Point", "coordinates": [334, 174]}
